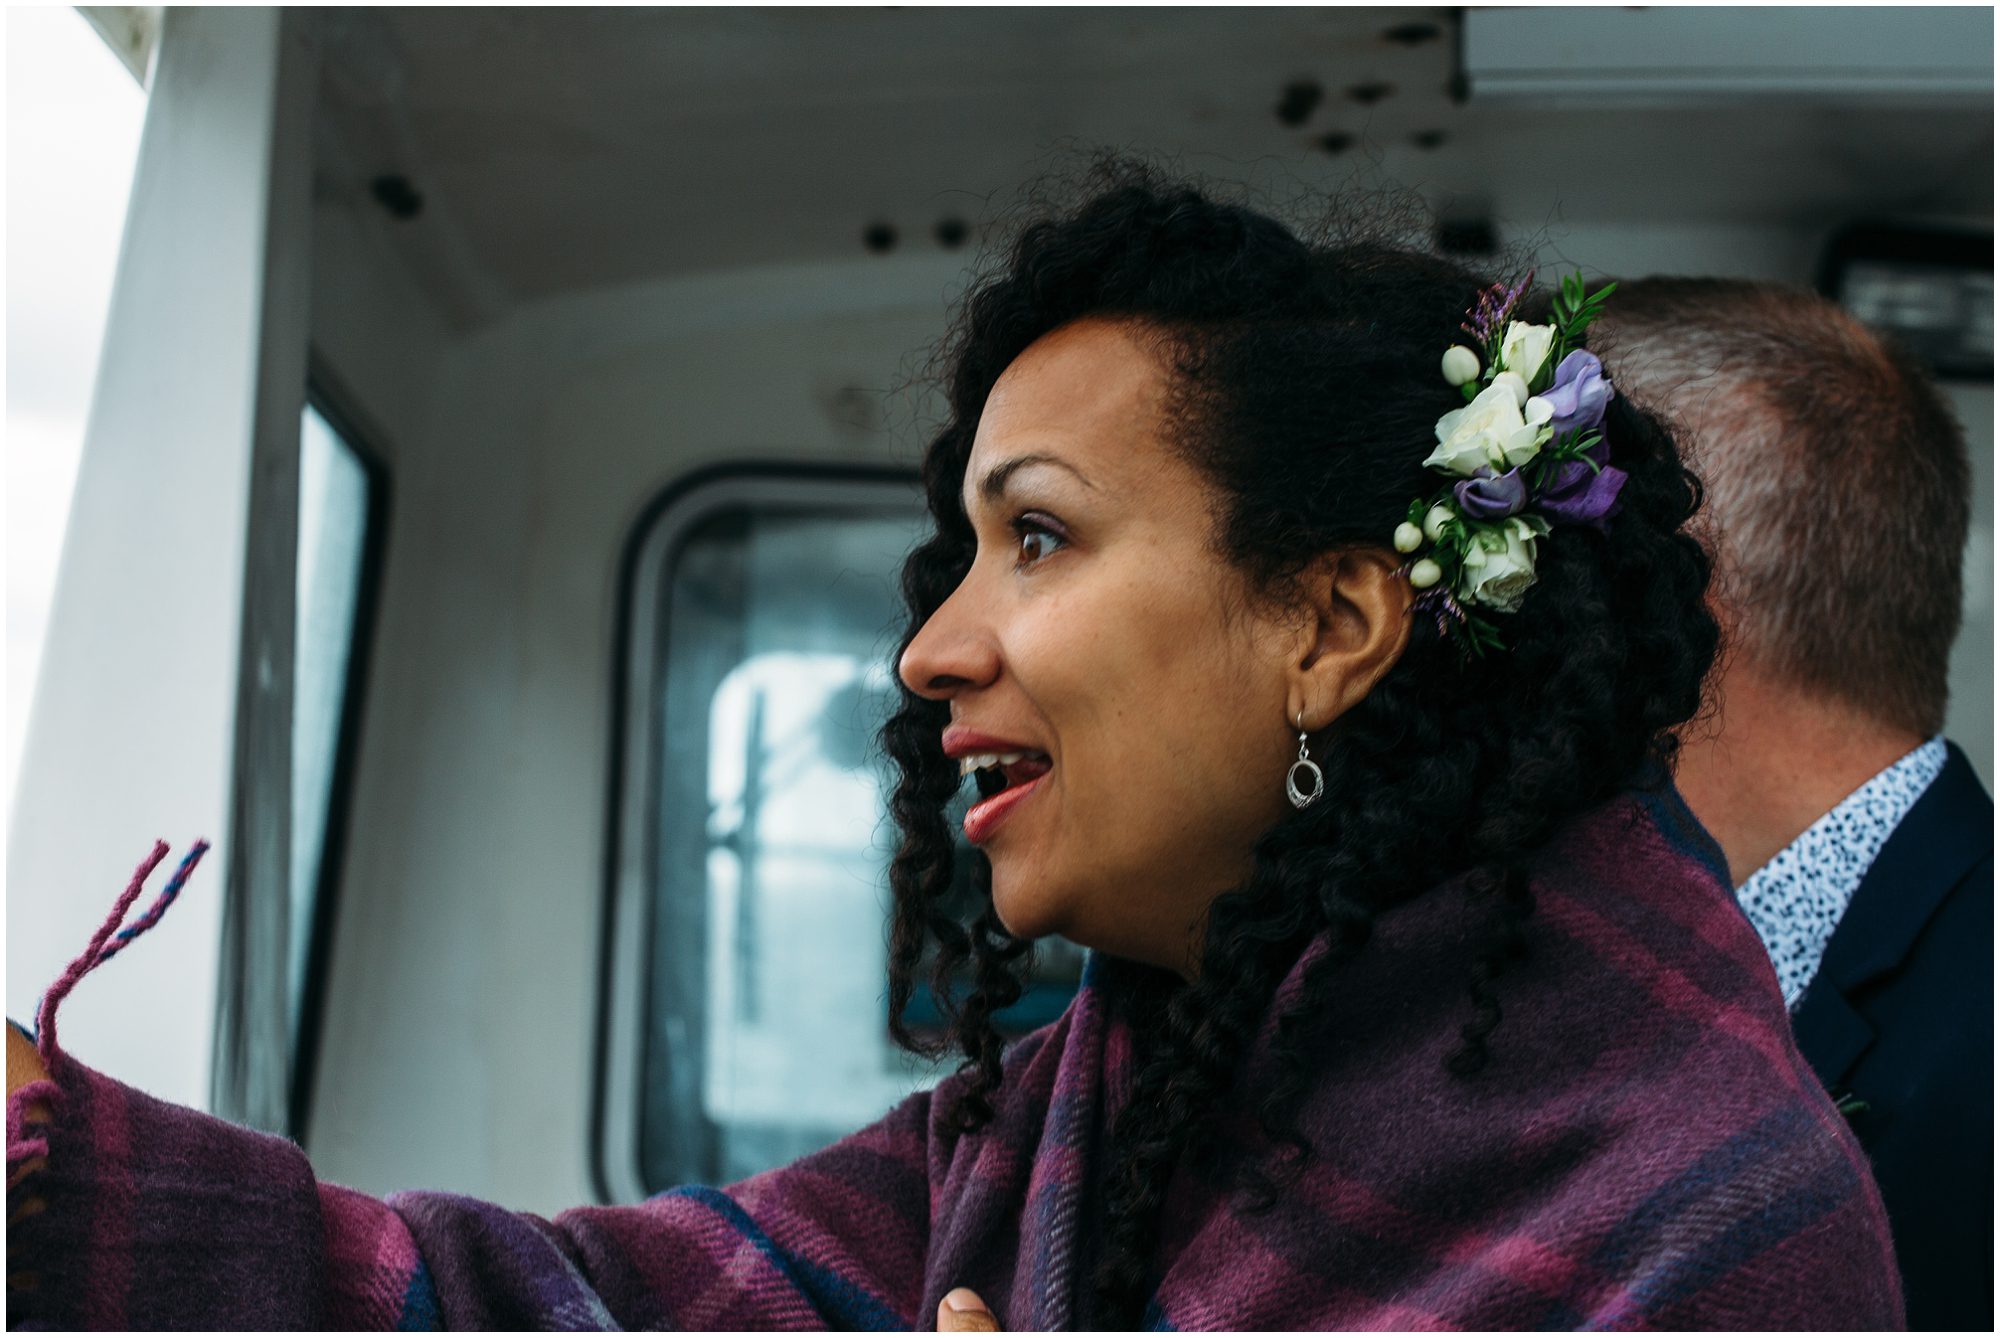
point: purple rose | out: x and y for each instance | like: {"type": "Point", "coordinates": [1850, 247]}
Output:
{"type": "Point", "coordinates": [1580, 392]}
{"type": "Point", "coordinates": [1576, 494]}
{"type": "Point", "coordinates": [1490, 496]}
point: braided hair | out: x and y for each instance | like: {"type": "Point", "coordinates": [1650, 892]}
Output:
{"type": "Point", "coordinates": [1304, 386]}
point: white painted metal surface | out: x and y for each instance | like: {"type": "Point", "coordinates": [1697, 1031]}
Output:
{"type": "Point", "coordinates": [131, 31]}
{"type": "Point", "coordinates": [134, 726]}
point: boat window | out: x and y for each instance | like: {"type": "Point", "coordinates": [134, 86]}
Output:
{"type": "Point", "coordinates": [765, 618]}
{"type": "Point", "coordinates": [339, 509]}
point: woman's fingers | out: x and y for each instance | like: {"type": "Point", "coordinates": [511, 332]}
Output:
{"type": "Point", "coordinates": [962, 1311]}
{"type": "Point", "coordinates": [24, 1062]}
{"type": "Point", "coordinates": [24, 1065]}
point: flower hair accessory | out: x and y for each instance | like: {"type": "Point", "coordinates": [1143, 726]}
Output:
{"type": "Point", "coordinates": [1525, 454]}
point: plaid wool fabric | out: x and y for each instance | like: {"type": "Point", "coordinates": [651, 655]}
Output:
{"type": "Point", "coordinates": [1647, 1149]}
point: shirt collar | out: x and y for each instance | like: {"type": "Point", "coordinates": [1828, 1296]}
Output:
{"type": "Point", "coordinates": [1796, 899]}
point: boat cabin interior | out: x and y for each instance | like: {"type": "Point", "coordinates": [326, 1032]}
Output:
{"type": "Point", "coordinates": [505, 443]}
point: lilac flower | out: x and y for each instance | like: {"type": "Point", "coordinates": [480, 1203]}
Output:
{"type": "Point", "coordinates": [1489, 314]}
{"type": "Point", "coordinates": [1490, 496]}
{"type": "Point", "coordinates": [1576, 494]}
{"type": "Point", "coordinates": [1580, 392]}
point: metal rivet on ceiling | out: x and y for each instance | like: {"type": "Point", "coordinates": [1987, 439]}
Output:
{"type": "Point", "coordinates": [1369, 94]}
{"type": "Point", "coordinates": [951, 233]}
{"type": "Point", "coordinates": [1298, 101]}
{"type": "Point", "coordinates": [394, 193]}
{"type": "Point", "coordinates": [878, 237]}
{"type": "Point", "coordinates": [1412, 34]}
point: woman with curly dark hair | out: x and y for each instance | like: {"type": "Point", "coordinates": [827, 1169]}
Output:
{"type": "Point", "coordinates": [1313, 620]}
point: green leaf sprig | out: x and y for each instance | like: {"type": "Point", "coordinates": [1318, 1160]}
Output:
{"type": "Point", "coordinates": [1574, 447]}
{"type": "Point", "coordinates": [1572, 313]}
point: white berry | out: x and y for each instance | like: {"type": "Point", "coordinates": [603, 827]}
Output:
{"type": "Point", "coordinates": [1461, 364]}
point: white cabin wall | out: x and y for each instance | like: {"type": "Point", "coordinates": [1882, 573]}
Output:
{"type": "Point", "coordinates": [1968, 716]}
{"type": "Point", "coordinates": [372, 327]}
{"type": "Point", "coordinates": [1633, 250]}
{"type": "Point", "coordinates": [469, 929]}
{"type": "Point", "coordinates": [383, 350]}
{"type": "Point", "coordinates": [420, 884]}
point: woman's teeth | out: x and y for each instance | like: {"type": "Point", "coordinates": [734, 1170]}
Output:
{"type": "Point", "coordinates": [981, 761]}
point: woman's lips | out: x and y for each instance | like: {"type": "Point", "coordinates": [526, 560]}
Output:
{"type": "Point", "coordinates": [985, 817]}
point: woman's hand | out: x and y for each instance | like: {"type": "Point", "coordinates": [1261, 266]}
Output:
{"type": "Point", "coordinates": [962, 1311]}
{"type": "Point", "coordinates": [24, 1062]}
{"type": "Point", "coordinates": [24, 1065]}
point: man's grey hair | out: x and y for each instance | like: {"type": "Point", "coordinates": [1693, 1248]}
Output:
{"type": "Point", "coordinates": [1838, 486]}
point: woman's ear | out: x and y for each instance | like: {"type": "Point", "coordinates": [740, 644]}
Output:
{"type": "Point", "coordinates": [1358, 622]}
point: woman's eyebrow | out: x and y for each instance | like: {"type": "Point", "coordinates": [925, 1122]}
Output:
{"type": "Point", "coordinates": [995, 481]}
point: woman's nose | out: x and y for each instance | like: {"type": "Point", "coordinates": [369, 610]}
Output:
{"type": "Point", "coordinates": [952, 651]}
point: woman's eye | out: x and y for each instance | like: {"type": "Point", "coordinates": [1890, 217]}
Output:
{"type": "Point", "coordinates": [1037, 541]}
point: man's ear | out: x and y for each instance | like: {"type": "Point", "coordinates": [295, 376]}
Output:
{"type": "Point", "coordinates": [1357, 607]}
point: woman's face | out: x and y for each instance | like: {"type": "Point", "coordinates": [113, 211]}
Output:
{"type": "Point", "coordinates": [1099, 634]}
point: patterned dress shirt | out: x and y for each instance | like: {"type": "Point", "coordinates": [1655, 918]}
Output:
{"type": "Point", "coordinates": [1796, 899]}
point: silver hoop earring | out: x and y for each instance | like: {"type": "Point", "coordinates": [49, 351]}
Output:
{"type": "Point", "coordinates": [1299, 798]}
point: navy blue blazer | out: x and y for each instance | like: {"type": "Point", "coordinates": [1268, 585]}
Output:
{"type": "Point", "coordinates": [1900, 1018]}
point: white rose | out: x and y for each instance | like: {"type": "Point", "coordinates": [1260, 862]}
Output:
{"type": "Point", "coordinates": [1514, 383]}
{"type": "Point", "coordinates": [1500, 565]}
{"type": "Point", "coordinates": [1524, 348]}
{"type": "Point", "coordinates": [1488, 433]}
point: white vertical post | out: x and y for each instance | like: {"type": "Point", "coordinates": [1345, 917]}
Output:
{"type": "Point", "coordinates": [163, 704]}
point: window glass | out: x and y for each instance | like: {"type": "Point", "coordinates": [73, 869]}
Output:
{"type": "Point", "coordinates": [767, 1022]}
{"type": "Point", "coordinates": [334, 512]}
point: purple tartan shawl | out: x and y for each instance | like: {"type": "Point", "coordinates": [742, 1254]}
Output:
{"type": "Point", "coordinates": [1646, 1150]}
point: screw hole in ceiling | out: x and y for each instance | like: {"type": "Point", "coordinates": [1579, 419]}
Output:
{"type": "Point", "coordinates": [1337, 142]}
{"type": "Point", "coordinates": [1428, 139]}
{"type": "Point", "coordinates": [394, 193]}
{"type": "Point", "coordinates": [1298, 101]}
{"type": "Point", "coordinates": [1370, 94]}
{"type": "Point", "coordinates": [878, 237]}
{"type": "Point", "coordinates": [1412, 34]}
{"type": "Point", "coordinates": [951, 233]}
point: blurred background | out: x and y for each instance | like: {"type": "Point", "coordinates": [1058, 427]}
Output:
{"type": "Point", "coordinates": [457, 460]}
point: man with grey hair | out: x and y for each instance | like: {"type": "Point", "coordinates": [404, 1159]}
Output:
{"type": "Point", "coordinates": [1860, 841]}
